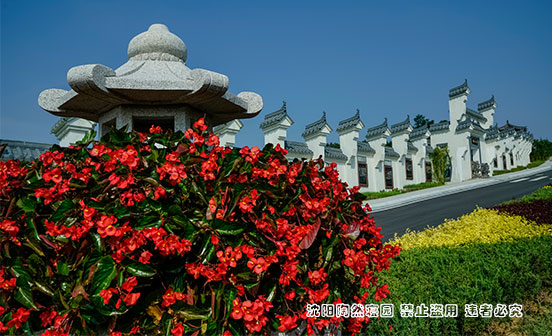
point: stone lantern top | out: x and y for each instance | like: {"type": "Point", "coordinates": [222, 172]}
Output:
{"type": "Point", "coordinates": [157, 43]}
{"type": "Point", "coordinates": [154, 84]}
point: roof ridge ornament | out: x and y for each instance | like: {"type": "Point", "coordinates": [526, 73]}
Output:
{"type": "Point", "coordinates": [459, 90]}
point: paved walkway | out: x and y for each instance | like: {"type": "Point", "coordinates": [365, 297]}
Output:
{"type": "Point", "coordinates": [392, 202]}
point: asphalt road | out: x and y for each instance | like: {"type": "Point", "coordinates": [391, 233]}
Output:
{"type": "Point", "coordinates": [419, 216]}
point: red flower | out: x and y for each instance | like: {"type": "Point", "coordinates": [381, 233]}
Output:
{"type": "Point", "coordinates": [145, 257]}
{"type": "Point", "coordinates": [129, 284]}
{"type": "Point", "coordinates": [381, 292]}
{"type": "Point", "coordinates": [290, 295]}
{"type": "Point", "coordinates": [53, 175]}
{"type": "Point", "coordinates": [317, 277]}
{"type": "Point", "coordinates": [131, 298]}
{"type": "Point", "coordinates": [258, 265]}
{"type": "Point", "coordinates": [155, 129]}
{"type": "Point", "coordinates": [19, 317]}
{"type": "Point", "coordinates": [107, 294]}
{"type": "Point", "coordinates": [200, 124]}
{"type": "Point", "coordinates": [47, 317]}
{"type": "Point", "coordinates": [178, 330]}
{"type": "Point", "coordinates": [287, 322]}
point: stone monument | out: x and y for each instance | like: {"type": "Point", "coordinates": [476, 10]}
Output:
{"type": "Point", "coordinates": [154, 87]}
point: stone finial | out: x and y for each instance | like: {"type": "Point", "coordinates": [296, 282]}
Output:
{"type": "Point", "coordinates": [157, 43]}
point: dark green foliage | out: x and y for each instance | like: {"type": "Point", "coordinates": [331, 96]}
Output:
{"type": "Point", "coordinates": [481, 273]}
{"type": "Point", "coordinates": [542, 150]}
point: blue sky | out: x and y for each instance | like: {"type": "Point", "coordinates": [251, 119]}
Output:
{"type": "Point", "coordinates": [388, 59]}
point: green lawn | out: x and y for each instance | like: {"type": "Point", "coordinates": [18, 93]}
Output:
{"type": "Point", "coordinates": [484, 257]}
{"type": "Point", "coordinates": [411, 187]}
{"type": "Point", "coordinates": [530, 165]}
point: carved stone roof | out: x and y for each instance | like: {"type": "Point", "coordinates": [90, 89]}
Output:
{"type": "Point", "coordinates": [275, 117]}
{"type": "Point", "coordinates": [350, 123]}
{"type": "Point", "coordinates": [364, 147]}
{"type": "Point", "coordinates": [297, 147]}
{"type": "Point", "coordinates": [401, 126]}
{"type": "Point", "coordinates": [389, 152]}
{"type": "Point", "coordinates": [379, 130]}
{"type": "Point", "coordinates": [459, 90]}
{"type": "Point", "coordinates": [316, 126]}
{"type": "Point", "coordinates": [419, 132]}
{"type": "Point", "coordinates": [23, 150]}
{"type": "Point", "coordinates": [491, 103]}
{"type": "Point", "coordinates": [440, 126]}
{"type": "Point", "coordinates": [155, 74]}
{"type": "Point", "coordinates": [334, 153]}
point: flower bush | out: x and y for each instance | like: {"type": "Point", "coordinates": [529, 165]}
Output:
{"type": "Point", "coordinates": [170, 233]}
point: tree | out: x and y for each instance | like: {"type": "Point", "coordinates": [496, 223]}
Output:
{"type": "Point", "coordinates": [421, 120]}
{"type": "Point", "coordinates": [439, 157]}
{"type": "Point", "coordinates": [542, 150]}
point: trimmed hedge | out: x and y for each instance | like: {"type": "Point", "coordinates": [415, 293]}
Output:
{"type": "Point", "coordinates": [506, 272]}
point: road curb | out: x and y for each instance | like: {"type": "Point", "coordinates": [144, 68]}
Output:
{"type": "Point", "coordinates": [427, 194]}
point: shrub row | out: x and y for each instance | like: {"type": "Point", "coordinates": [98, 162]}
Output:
{"type": "Point", "coordinates": [480, 226]}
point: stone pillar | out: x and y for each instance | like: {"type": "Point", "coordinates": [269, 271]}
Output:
{"type": "Point", "coordinates": [71, 130]}
{"type": "Point", "coordinates": [315, 136]}
{"type": "Point", "coordinates": [348, 131]}
{"type": "Point", "coordinates": [458, 97]}
{"type": "Point", "coordinates": [227, 132]}
{"type": "Point", "coordinates": [275, 125]}
{"type": "Point", "coordinates": [487, 109]}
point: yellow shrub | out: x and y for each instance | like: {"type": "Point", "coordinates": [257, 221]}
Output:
{"type": "Point", "coordinates": [480, 226]}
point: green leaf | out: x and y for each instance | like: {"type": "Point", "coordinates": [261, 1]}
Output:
{"type": "Point", "coordinates": [148, 221]}
{"type": "Point", "coordinates": [120, 211]}
{"type": "Point", "coordinates": [25, 297]}
{"type": "Point", "coordinates": [63, 268]}
{"type": "Point", "coordinates": [27, 204]}
{"type": "Point", "coordinates": [61, 210]}
{"type": "Point", "coordinates": [44, 288]}
{"type": "Point", "coordinates": [138, 269]}
{"type": "Point", "coordinates": [105, 273]}
{"type": "Point", "coordinates": [227, 228]}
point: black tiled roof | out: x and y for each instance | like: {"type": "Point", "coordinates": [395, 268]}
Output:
{"type": "Point", "coordinates": [461, 89]}
{"type": "Point", "coordinates": [492, 133]}
{"type": "Point", "coordinates": [403, 125]}
{"type": "Point", "coordinates": [429, 149]}
{"type": "Point", "coordinates": [377, 130]}
{"type": "Point", "coordinates": [469, 122]}
{"type": "Point", "coordinates": [440, 126]}
{"type": "Point", "coordinates": [23, 150]}
{"type": "Point", "coordinates": [390, 152]}
{"type": "Point", "coordinates": [364, 147]}
{"type": "Point", "coordinates": [411, 147]}
{"type": "Point", "coordinates": [297, 147]}
{"type": "Point", "coordinates": [275, 117]}
{"type": "Point", "coordinates": [419, 132]}
{"type": "Point", "coordinates": [487, 104]}
{"type": "Point", "coordinates": [316, 126]}
{"type": "Point", "coordinates": [334, 153]}
{"type": "Point", "coordinates": [475, 115]}
{"type": "Point", "coordinates": [349, 123]}
{"type": "Point", "coordinates": [509, 126]}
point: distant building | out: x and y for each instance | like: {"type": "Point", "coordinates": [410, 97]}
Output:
{"type": "Point", "coordinates": [475, 145]}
